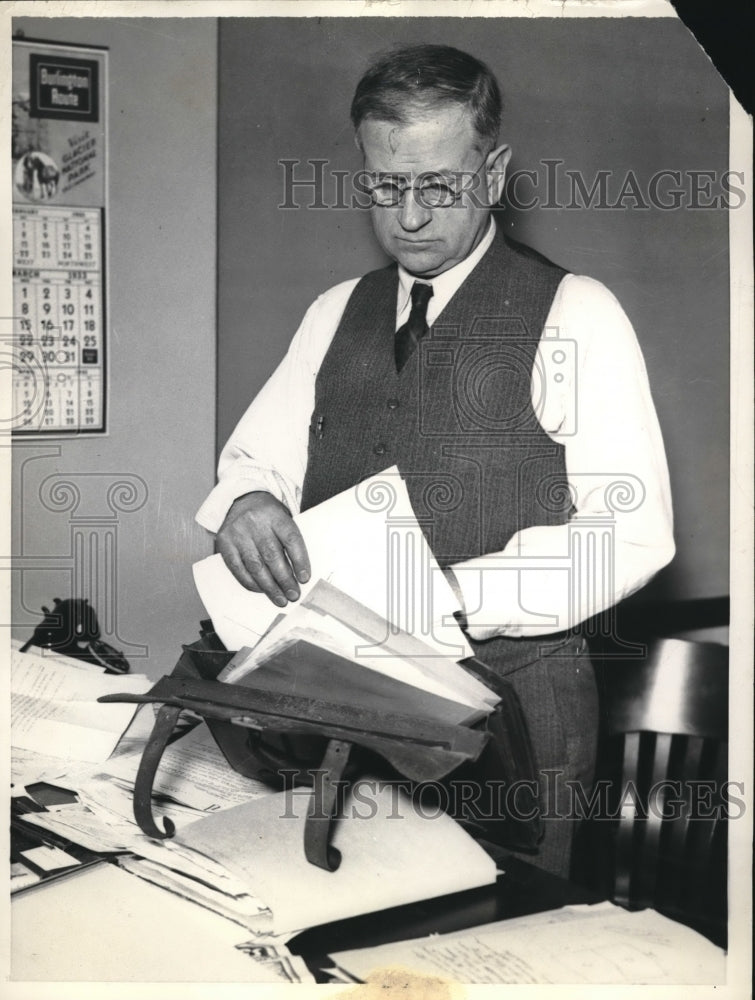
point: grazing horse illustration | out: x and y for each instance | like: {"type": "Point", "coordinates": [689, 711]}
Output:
{"type": "Point", "coordinates": [40, 177]}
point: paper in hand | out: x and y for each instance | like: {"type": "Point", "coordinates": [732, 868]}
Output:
{"type": "Point", "coordinates": [367, 542]}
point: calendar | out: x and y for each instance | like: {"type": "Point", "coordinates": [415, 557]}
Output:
{"type": "Point", "coordinates": [59, 276]}
{"type": "Point", "coordinates": [57, 305]}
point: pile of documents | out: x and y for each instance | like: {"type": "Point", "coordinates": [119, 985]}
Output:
{"type": "Point", "coordinates": [375, 631]}
{"type": "Point", "coordinates": [58, 734]}
{"type": "Point", "coordinates": [55, 714]}
{"type": "Point", "coordinates": [196, 778]}
{"type": "Point", "coordinates": [63, 737]}
{"type": "Point", "coordinates": [238, 850]}
{"type": "Point", "coordinates": [54, 698]}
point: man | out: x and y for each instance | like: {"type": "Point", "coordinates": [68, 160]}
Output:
{"type": "Point", "coordinates": [511, 395]}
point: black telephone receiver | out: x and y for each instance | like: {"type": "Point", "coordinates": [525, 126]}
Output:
{"type": "Point", "coordinates": [72, 629]}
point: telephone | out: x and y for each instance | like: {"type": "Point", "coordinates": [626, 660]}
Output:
{"type": "Point", "coordinates": [72, 629]}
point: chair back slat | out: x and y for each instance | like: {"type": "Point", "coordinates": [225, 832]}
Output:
{"type": "Point", "coordinates": [647, 863]}
{"type": "Point", "coordinates": [670, 711]}
{"type": "Point", "coordinates": [690, 750]}
{"type": "Point", "coordinates": [627, 828]}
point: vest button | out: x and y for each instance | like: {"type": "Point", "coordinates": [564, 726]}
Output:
{"type": "Point", "coordinates": [379, 448]}
{"type": "Point", "coordinates": [393, 404]}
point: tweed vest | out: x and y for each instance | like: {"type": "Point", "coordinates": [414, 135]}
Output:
{"type": "Point", "coordinates": [458, 419]}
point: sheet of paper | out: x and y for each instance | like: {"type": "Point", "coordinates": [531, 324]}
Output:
{"type": "Point", "coordinates": [49, 656]}
{"type": "Point", "coordinates": [192, 771]}
{"type": "Point", "coordinates": [601, 944]}
{"type": "Point", "coordinates": [378, 644]}
{"type": "Point", "coordinates": [54, 708]}
{"type": "Point", "coordinates": [138, 729]}
{"type": "Point", "coordinates": [106, 925]}
{"type": "Point", "coordinates": [28, 766]}
{"type": "Point", "coordinates": [50, 859]}
{"type": "Point", "coordinates": [367, 542]}
{"type": "Point", "coordinates": [390, 854]}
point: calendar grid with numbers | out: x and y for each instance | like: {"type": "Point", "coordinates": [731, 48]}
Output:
{"type": "Point", "coordinates": [59, 310]}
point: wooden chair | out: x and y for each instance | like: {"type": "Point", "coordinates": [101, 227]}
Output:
{"type": "Point", "coordinates": [666, 719]}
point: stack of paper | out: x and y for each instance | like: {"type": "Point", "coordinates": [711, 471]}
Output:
{"type": "Point", "coordinates": [331, 646]}
{"type": "Point", "coordinates": [247, 862]}
{"type": "Point", "coordinates": [102, 820]}
{"type": "Point", "coordinates": [193, 777]}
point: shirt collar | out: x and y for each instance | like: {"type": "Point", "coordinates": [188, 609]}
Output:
{"type": "Point", "coordinates": [445, 285]}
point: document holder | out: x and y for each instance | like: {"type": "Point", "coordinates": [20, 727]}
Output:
{"type": "Point", "coordinates": [287, 740]}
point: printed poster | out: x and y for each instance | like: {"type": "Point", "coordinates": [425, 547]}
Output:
{"type": "Point", "coordinates": [58, 150]}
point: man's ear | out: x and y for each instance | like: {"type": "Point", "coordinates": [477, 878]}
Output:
{"type": "Point", "coordinates": [495, 170]}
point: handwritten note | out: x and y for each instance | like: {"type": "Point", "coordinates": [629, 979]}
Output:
{"type": "Point", "coordinates": [601, 944]}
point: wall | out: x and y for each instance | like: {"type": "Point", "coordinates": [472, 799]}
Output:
{"type": "Point", "coordinates": [603, 94]}
{"type": "Point", "coordinates": [161, 422]}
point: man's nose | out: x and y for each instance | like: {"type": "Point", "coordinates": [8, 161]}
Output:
{"type": "Point", "coordinates": [412, 214]}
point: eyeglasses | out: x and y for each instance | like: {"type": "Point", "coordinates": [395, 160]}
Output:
{"type": "Point", "coordinates": [430, 189]}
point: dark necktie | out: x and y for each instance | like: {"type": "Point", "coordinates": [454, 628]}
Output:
{"type": "Point", "coordinates": [415, 328]}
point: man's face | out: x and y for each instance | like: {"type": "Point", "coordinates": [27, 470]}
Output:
{"type": "Point", "coordinates": [426, 240]}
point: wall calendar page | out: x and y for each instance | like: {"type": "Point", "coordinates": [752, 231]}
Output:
{"type": "Point", "coordinates": [59, 185]}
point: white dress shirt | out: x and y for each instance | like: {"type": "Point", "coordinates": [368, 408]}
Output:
{"type": "Point", "coordinates": [590, 393]}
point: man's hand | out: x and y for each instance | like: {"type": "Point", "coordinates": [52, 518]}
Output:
{"type": "Point", "coordinates": [263, 548]}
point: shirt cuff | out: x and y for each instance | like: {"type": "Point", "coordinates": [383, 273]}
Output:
{"type": "Point", "coordinates": [213, 511]}
{"type": "Point", "coordinates": [501, 599]}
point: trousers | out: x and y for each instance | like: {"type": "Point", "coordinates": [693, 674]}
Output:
{"type": "Point", "coordinates": [560, 702]}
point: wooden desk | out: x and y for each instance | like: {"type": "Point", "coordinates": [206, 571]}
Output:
{"type": "Point", "coordinates": [523, 889]}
